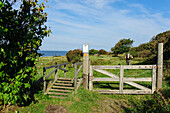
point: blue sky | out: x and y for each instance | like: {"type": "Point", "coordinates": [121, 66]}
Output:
{"type": "Point", "coordinates": [102, 23]}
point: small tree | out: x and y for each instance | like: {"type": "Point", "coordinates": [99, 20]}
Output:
{"type": "Point", "coordinates": [122, 46]}
{"type": "Point", "coordinates": [74, 56]}
{"type": "Point", "coordinates": [102, 52]}
{"type": "Point", "coordinates": [93, 51]}
{"type": "Point", "coordinates": [21, 35]}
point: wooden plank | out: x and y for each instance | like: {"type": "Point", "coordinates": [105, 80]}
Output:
{"type": "Point", "coordinates": [128, 79]}
{"type": "Point", "coordinates": [79, 63]}
{"type": "Point", "coordinates": [57, 93]}
{"type": "Point", "coordinates": [61, 84]}
{"type": "Point", "coordinates": [62, 87]}
{"type": "Point", "coordinates": [160, 66]}
{"type": "Point", "coordinates": [59, 90]}
{"type": "Point", "coordinates": [106, 67]}
{"type": "Point", "coordinates": [90, 78]}
{"type": "Point", "coordinates": [107, 73]}
{"type": "Point", "coordinates": [153, 79]}
{"type": "Point", "coordinates": [137, 85]}
{"type": "Point", "coordinates": [75, 77]}
{"type": "Point", "coordinates": [79, 83]}
{"type": "Point", "coordinates": [85, 70]}
{"type": "Point", "coordinates": [121, 80]}
{"type": "Point", "coordinates": [70, 79]}
{"type": "Point", "coordinates": [138, 66]}
{"type": "Point", "coordinates": [124, 91]}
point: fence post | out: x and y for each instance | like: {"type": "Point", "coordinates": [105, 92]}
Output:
{"type": "Point", "coordinates": [44, 72]}
{"type": "Point", "coordinates": [153, 78]}
{"type": "Point", "coordinates": [65, 71]}
{"type": "Point", "coordinates": [75, 78]}
{"type": "Point", "coordinates": [160, 66]}
{"type": "Point", "coordinates": [85, 65]}
{"type": "Point", "coordinates": [121, 80]}
{"type": "Point", "coordinates": [90, 78]}
{"type": "Point", "coordinates": [56, 71]}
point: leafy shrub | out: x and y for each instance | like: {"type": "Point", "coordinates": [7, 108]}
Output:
{"type": "Point", "coordinates": [74, 56]}
{"type": "Point", "coordinates": [102, 52]}
{"type": "Point", "coordinates": [21, 34]}
{"type": "Point", "coordinates": [93, 51]}
{"type": "Point", "coordinates": [144, 54]}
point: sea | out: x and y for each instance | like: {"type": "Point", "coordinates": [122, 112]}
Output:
{"type": "Point", "coordinates": [52, 53]}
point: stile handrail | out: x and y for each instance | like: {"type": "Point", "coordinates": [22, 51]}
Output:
{"type": "Point", "coordinates": [56, 66]}
{"type": "Point", "coordinates": [76, 72]}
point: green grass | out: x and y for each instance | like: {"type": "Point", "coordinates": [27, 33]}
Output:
{"type": "Point", "coordinates": [88, 101]}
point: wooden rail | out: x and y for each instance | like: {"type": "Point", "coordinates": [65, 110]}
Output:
{"type": "Point", "coordinates": [76, 72]}
{"type": "Point", "coordinates": [56, 67]}
{"type": "Point", "coordinates": [122, 79]}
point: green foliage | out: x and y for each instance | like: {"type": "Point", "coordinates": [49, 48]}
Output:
{"type": "Point", "coordinates": [93, 51]}
{"type": "Point", "coordinates": [102, 52]}
{"type": "Point", "coordinates": [122, 46]}
{"type": "Point", "coordinates": [74, 56]}
{"type": "Point", "coordinates": [21, 34]}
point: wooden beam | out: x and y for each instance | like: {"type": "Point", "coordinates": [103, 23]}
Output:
{"type": "Point", "coordinates": [107, 73]}
{"type": "Point", "coordinates": [124, 91]}
{"type": "Point", "coordinates": [153, 79]}
{"type": "Point", "coordinates": [121, 79]}
{"type": "Point", "coordinates": [137, 85]}
{"type": "Point", "coordinates": [106, 67]}
{"type": "Point", "coordinates": [90, 78]}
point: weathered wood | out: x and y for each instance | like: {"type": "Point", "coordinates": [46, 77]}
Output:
{"type": "Point", "coordinates": [50, 85]}
{"type": "Point", "coordinates": [44, 72]}
{"type": "Point", "coordinates": [54, 93]}
{"type": "Point", "coordinates": [137, 85]}
{"type": "Point", "coordinates": [85, 70]}
{"type": "Point", "coordinates": [64, 81]}
{"type": "Point", "coordinates": [62, 84]}
{"type": "Point", "coordinates": [79, 63]}
{"type": "Point", "coordinates": [125, 79]}
{"type": "Point", "coordinates": [153, 78]}
{"type": "Point", "coordinates": [125, 67]}
{"type": "Point", "coordinates": [160, 66]}
{"type": "Point", "coordinates": [51, 73]}
{"type": "Point", "coordinates": [63, 87]}
{"type": "Point", "coordinates": [90, 78]}
{"type": "Point", "coordinates": [59, 90]}
{"type": "Point", "coordinates": [78, 85]}
{"type": "Point", "coordinates": [106, 67]}
{"type": "Point", "coordinates": [69, 79]}
{"type": "Point", "coordinates": [121, 79]}
{"type": "Point", "coordinates": [65, 71]}
{"type": "Point", "coordinates": [124, 91]}
{"type": "Point", "coordinates": [107, 73]}
{"type": "Point", "coordinates": [137, 66]}
{"type": "Point", "coordinates": [75, 77]}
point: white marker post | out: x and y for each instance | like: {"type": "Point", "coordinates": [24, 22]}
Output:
{"type": "Point", "coordinates": [85, 65]}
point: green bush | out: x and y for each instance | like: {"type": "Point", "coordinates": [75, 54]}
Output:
{"type": "Point", "coordinates": [93, 51]}
{"type": "Point", "coordinates": [74, 56]}
{"type": "Point", "coordinates": [102, 52]}
{"type": "Point", "coordinates": [144, 54]}
{"type": "Point", "coordinates": [21, 35]}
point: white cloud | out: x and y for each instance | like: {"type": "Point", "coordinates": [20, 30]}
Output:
{"type": "Point", "coordinates": [96, 22]}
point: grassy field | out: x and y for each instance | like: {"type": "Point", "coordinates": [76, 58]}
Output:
{"type": "Point", "coordinates": [88, 101]}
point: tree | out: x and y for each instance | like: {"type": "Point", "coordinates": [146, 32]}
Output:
{"type": "Point", "coordinates": [102, 52]}
{"type": "Point", "coordinates": [93, 51]}
{"type": "Point", "coordinates": [21, 34]}
{"type": "Point", "coordinates": [74, 56]}
{"type": "Point", "coordinates": [122, 46]}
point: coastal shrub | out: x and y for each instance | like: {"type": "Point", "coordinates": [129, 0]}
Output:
{"type": "Point", "coordinates": [102, 52]}
{"type": "Point", "coordinates": [144, 54]}
{"type": "Point", "coordinates": [93, 51]}
{"type": "Point", "coordinates": [21, 34]}
{"type": "Point", "coordinates": [74, 56]}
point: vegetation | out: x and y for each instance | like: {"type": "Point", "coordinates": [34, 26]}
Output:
{"type": "Point", "coordinates": [21, 34]}
{"type": "Point", "coordinates": [93, 51]}
{"type": "Point", "coordinates": [102, 52]}
{"type": "Point", "coordinates": [74, 56]}
{"type": "Point", "coordinates": [122, 46]}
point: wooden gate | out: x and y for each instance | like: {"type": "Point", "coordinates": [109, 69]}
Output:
{"type": "Point", "coordinates": [121, 79]}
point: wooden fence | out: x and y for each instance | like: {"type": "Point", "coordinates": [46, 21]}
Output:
{"type": "Point", "coordinates": [56, 67]}
{"type": "Point", "coordinates": [128, 80]}
{"type": "Point", "coordinates": [76, 72]}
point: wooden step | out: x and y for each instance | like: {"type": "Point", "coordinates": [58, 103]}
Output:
{"type": "Point", "coordinates": [65, 79]}
{"type": "Point", "coordinates": [57, 93]}
{"type": "Point", "coordinates": [62, 87]}
{"type": "Point", "coordinates": [57, 97]}
{"type": "Point", "coordinates": [59, 90]}
{"type": "Point", "coordinates": [61, 84]}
